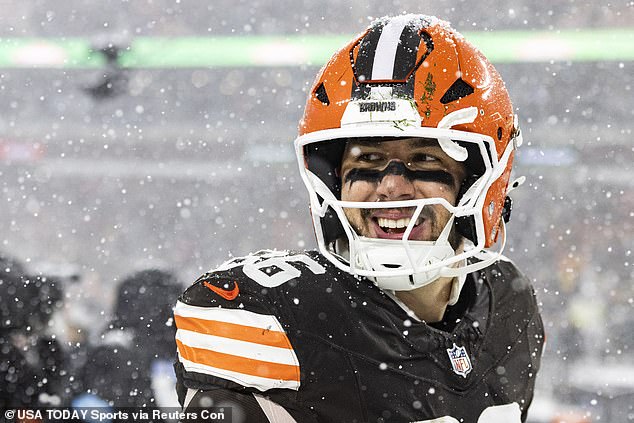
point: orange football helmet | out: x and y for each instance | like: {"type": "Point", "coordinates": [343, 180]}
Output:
{"type": "Point", "coordinates": [409, 76]}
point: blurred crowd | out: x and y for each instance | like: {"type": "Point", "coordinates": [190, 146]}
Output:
{"type": "Point", "coordinates": [47, 361]}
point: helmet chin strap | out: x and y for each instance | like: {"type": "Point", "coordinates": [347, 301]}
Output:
{"type": "Point", "coordinates": [383, 254]}
{"type": "Point", "coordinates": [458, 272]}
{"type": "Point", "coordinates": [434, 253]}
{"type": "Point", "coordinates": [417, 280]}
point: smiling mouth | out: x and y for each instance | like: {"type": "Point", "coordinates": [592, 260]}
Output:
{"type": "Point", "coordinates": [396, 226]}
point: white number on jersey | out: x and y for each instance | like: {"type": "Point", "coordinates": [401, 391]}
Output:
{"type": "Point", "coordinates": [252, 267]}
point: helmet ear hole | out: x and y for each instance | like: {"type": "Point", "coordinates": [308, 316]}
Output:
{"type": "Point", "coordinates": [506, 209]}
{"type": "Point", "coordinates": [332, 227]}
{"type": "Point", "coordinates": [465, 226]}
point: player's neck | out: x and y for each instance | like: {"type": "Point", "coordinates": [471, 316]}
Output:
{"type": "Point", "coordinates": [428, 302]}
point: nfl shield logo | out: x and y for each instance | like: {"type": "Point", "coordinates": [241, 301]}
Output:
{"type": "Point", "coordinates": [459, 360]}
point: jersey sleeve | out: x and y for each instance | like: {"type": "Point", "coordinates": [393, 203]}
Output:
{"type": "Point", "coordinates": [230, 335]}
{"type": "Point", "coordinates": [252, 408]}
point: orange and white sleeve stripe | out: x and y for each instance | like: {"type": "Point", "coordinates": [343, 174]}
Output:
{"type": "Point", "coordinates": [247, 348]}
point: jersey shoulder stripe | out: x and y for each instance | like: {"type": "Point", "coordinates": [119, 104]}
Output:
{"type": "Point", "coordinates": [235, 347]}
{"type": "Point", "coordinates": [239, 345]}
{"type": "Point", "coordinates": [261, 383]}
{"type": "Point", "coordinates": [226, 315]}
{"type": "Point", "coordinates": [238, 332]}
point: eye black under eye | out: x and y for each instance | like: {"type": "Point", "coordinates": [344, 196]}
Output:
{"type": "Point", "coordinates": [374, 175]}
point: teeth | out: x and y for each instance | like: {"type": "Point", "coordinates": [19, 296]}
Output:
{"type": "Point", "coordinates": [396, 224]}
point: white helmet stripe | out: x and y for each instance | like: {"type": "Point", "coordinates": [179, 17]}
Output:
{"type": "Point", "coordinates": [385, 54]}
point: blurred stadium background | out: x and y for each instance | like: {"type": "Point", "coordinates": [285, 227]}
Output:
{"type": "Point", "coordinates": [159, 133]}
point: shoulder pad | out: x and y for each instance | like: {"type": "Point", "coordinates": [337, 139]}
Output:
{"type": "Point", "coordinates": [230, 322]}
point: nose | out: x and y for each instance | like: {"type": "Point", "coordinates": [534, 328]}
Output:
{"type": "Point", "coordinates": [395, 186]}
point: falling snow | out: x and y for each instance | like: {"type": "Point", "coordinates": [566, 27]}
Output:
{"type": "Point", "coordinates": [107, 170]}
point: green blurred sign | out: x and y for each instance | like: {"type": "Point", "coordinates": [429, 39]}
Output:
{"type": "Point", "coordinates": [271, 51]}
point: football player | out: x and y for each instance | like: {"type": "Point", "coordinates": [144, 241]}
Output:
{"type": "Point", "coordinates": [408, 312]}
